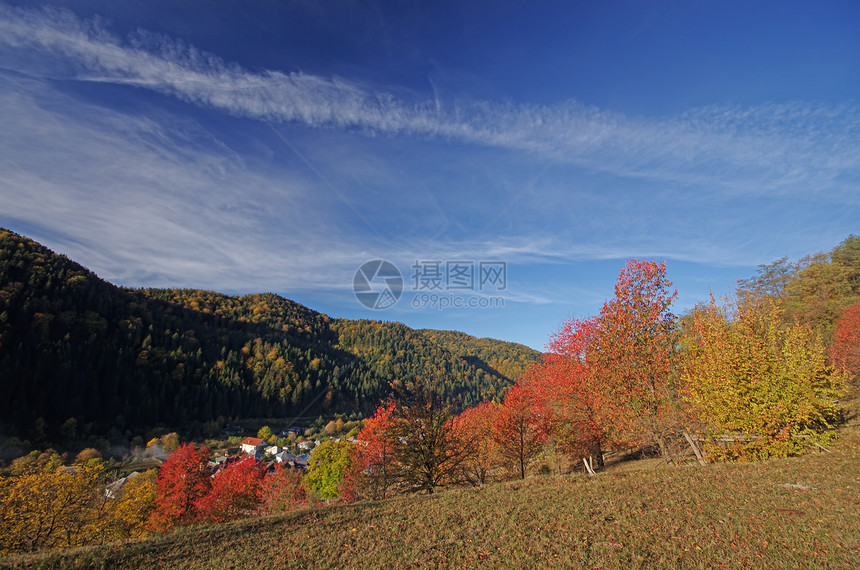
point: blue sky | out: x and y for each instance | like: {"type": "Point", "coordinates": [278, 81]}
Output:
{"type": "Point", "coordinates": [277, 146]}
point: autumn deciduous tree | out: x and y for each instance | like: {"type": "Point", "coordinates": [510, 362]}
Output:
{"type": "Point", "coordinates": [475, 426]}
{"type": "Point", "coordinates": [580, 413]}
{"type": "Point", "coordinates": [182, 480]}
{"type": "Point", "coordinates": [169, 442]}
{"type": "Point", "coordinates": [411, 443]}
{"type": "Point", "coordinates": [845, 349]}
{"type": "Point", "coordinates": [824, 285]}
{"type": "Point", "coordinates": [129, 511]}
{"type": "Point", "coordinates": [37, 461]}
{"type": "Point", "coordinates": [636, 348]}
{"type": "Point", "coordinates": [328, 466]}
{"type": "Point", "coordinates": [519, 431]}
{"type": "Point", "coordinates": [771, 279]}
{"type": "Point", "coordinates": [375, 459]}
{"type": "Point", "coordinates": [429, 451]}
{"type": "Point", "coordinates": [283, 490]}
{"type": "Point", "coordinates": [86, 455]}
{"type": "Point", "coordinates": [265, 433]}
{"type": "Point", "coordinates": [53, 506]}
{"type": "Point", "coordinates": [236, 492]}
{"type": "Point", "coordinates": [745, 372]}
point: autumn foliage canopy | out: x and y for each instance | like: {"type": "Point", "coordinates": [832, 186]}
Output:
{"type": "Point", "coordinates": [845, 349]}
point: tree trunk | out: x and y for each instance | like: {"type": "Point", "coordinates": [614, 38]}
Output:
{"type": "Point", "coordinates": [664, 448]}
{"type": "Point", "coordinates": [597, 452]}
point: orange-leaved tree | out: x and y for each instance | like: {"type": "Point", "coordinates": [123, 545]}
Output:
{"type": "Point", "coordinates": [475, 427]}
{"type": "Point", "coordinates": [520, 429]}
{"type": "Point", "coordinates": [634, 356]}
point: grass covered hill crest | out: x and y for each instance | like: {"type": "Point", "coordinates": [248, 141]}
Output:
{"type": "Point", "coordinates": [75, 346]}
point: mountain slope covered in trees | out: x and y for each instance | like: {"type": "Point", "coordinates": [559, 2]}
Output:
{"type": "Point", "coordinates": [75, 346]}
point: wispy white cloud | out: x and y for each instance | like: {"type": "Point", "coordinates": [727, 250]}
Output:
{"type": "Point", "coordinates": [772, 148]}
{"type": "Point", "coordinates": [157, 200]}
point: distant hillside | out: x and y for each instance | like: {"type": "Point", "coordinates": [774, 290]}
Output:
{"type": "Point", "coordinates": [511, 363]}
{"type": "Point", "coordinates": [73, 345]}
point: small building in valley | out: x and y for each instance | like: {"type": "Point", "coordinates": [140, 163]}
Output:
{"type": "Point", "coordinates": [251, 445]}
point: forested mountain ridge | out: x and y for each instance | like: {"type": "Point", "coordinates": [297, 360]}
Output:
{"type": "Point", "coordinates": [511, 363]}
{"type": "Point", "coordinates": [75, 346]}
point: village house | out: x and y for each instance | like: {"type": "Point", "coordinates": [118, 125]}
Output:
{"type": "Point", "coordinates": [112, 490]}
{"type": "Point", "coordinates": [285, 457]}
{"type": "Point", "coordinates": [252, 445]}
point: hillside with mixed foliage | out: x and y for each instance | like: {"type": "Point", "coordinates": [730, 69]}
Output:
{"type": "Point", "coordinates": [788, 513]}
{"type": "Point", "coordinates": [75, 346]}
{"type": "Point", "coordinates": [484, 352]}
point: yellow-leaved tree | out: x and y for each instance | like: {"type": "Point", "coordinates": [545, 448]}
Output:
{"type": "Point", "coordinates": [53, 506]}
{"type": "Point", "coordinates": [755, 380]}
{"type": "Point", "coordinates": [44, 504]}
{"type": "Point", "coordinates": [129, 512]}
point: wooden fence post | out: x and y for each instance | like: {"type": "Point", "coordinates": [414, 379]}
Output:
{"type": "Point", "coordinates": [699, 455]}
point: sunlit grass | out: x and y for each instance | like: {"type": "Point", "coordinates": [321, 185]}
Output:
{"type": "Point", "coordinates": [793, 513]}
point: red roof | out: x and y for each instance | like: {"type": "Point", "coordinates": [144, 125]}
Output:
{"type": "Point", "coordinates": [253, 441]}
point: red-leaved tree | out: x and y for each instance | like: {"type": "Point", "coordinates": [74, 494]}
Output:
{"type": "Point", "coordinates": [845, 348]}
{"type": "Point", "coordinates": [520, 430]}
{"type": "Point", "coordinates": [236, 492]}
{"type": "Point", "coordinates": [374, 459]}
{"type": "Point", "coordinates": [580, 413]}
{"type": "Point", "coordinates": [182, 480]}
{"type": "Point", "coordinates": [283, 490]}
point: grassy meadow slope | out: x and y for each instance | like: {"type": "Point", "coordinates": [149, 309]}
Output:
{"type": "Point", "coordinates": [792, 513]}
